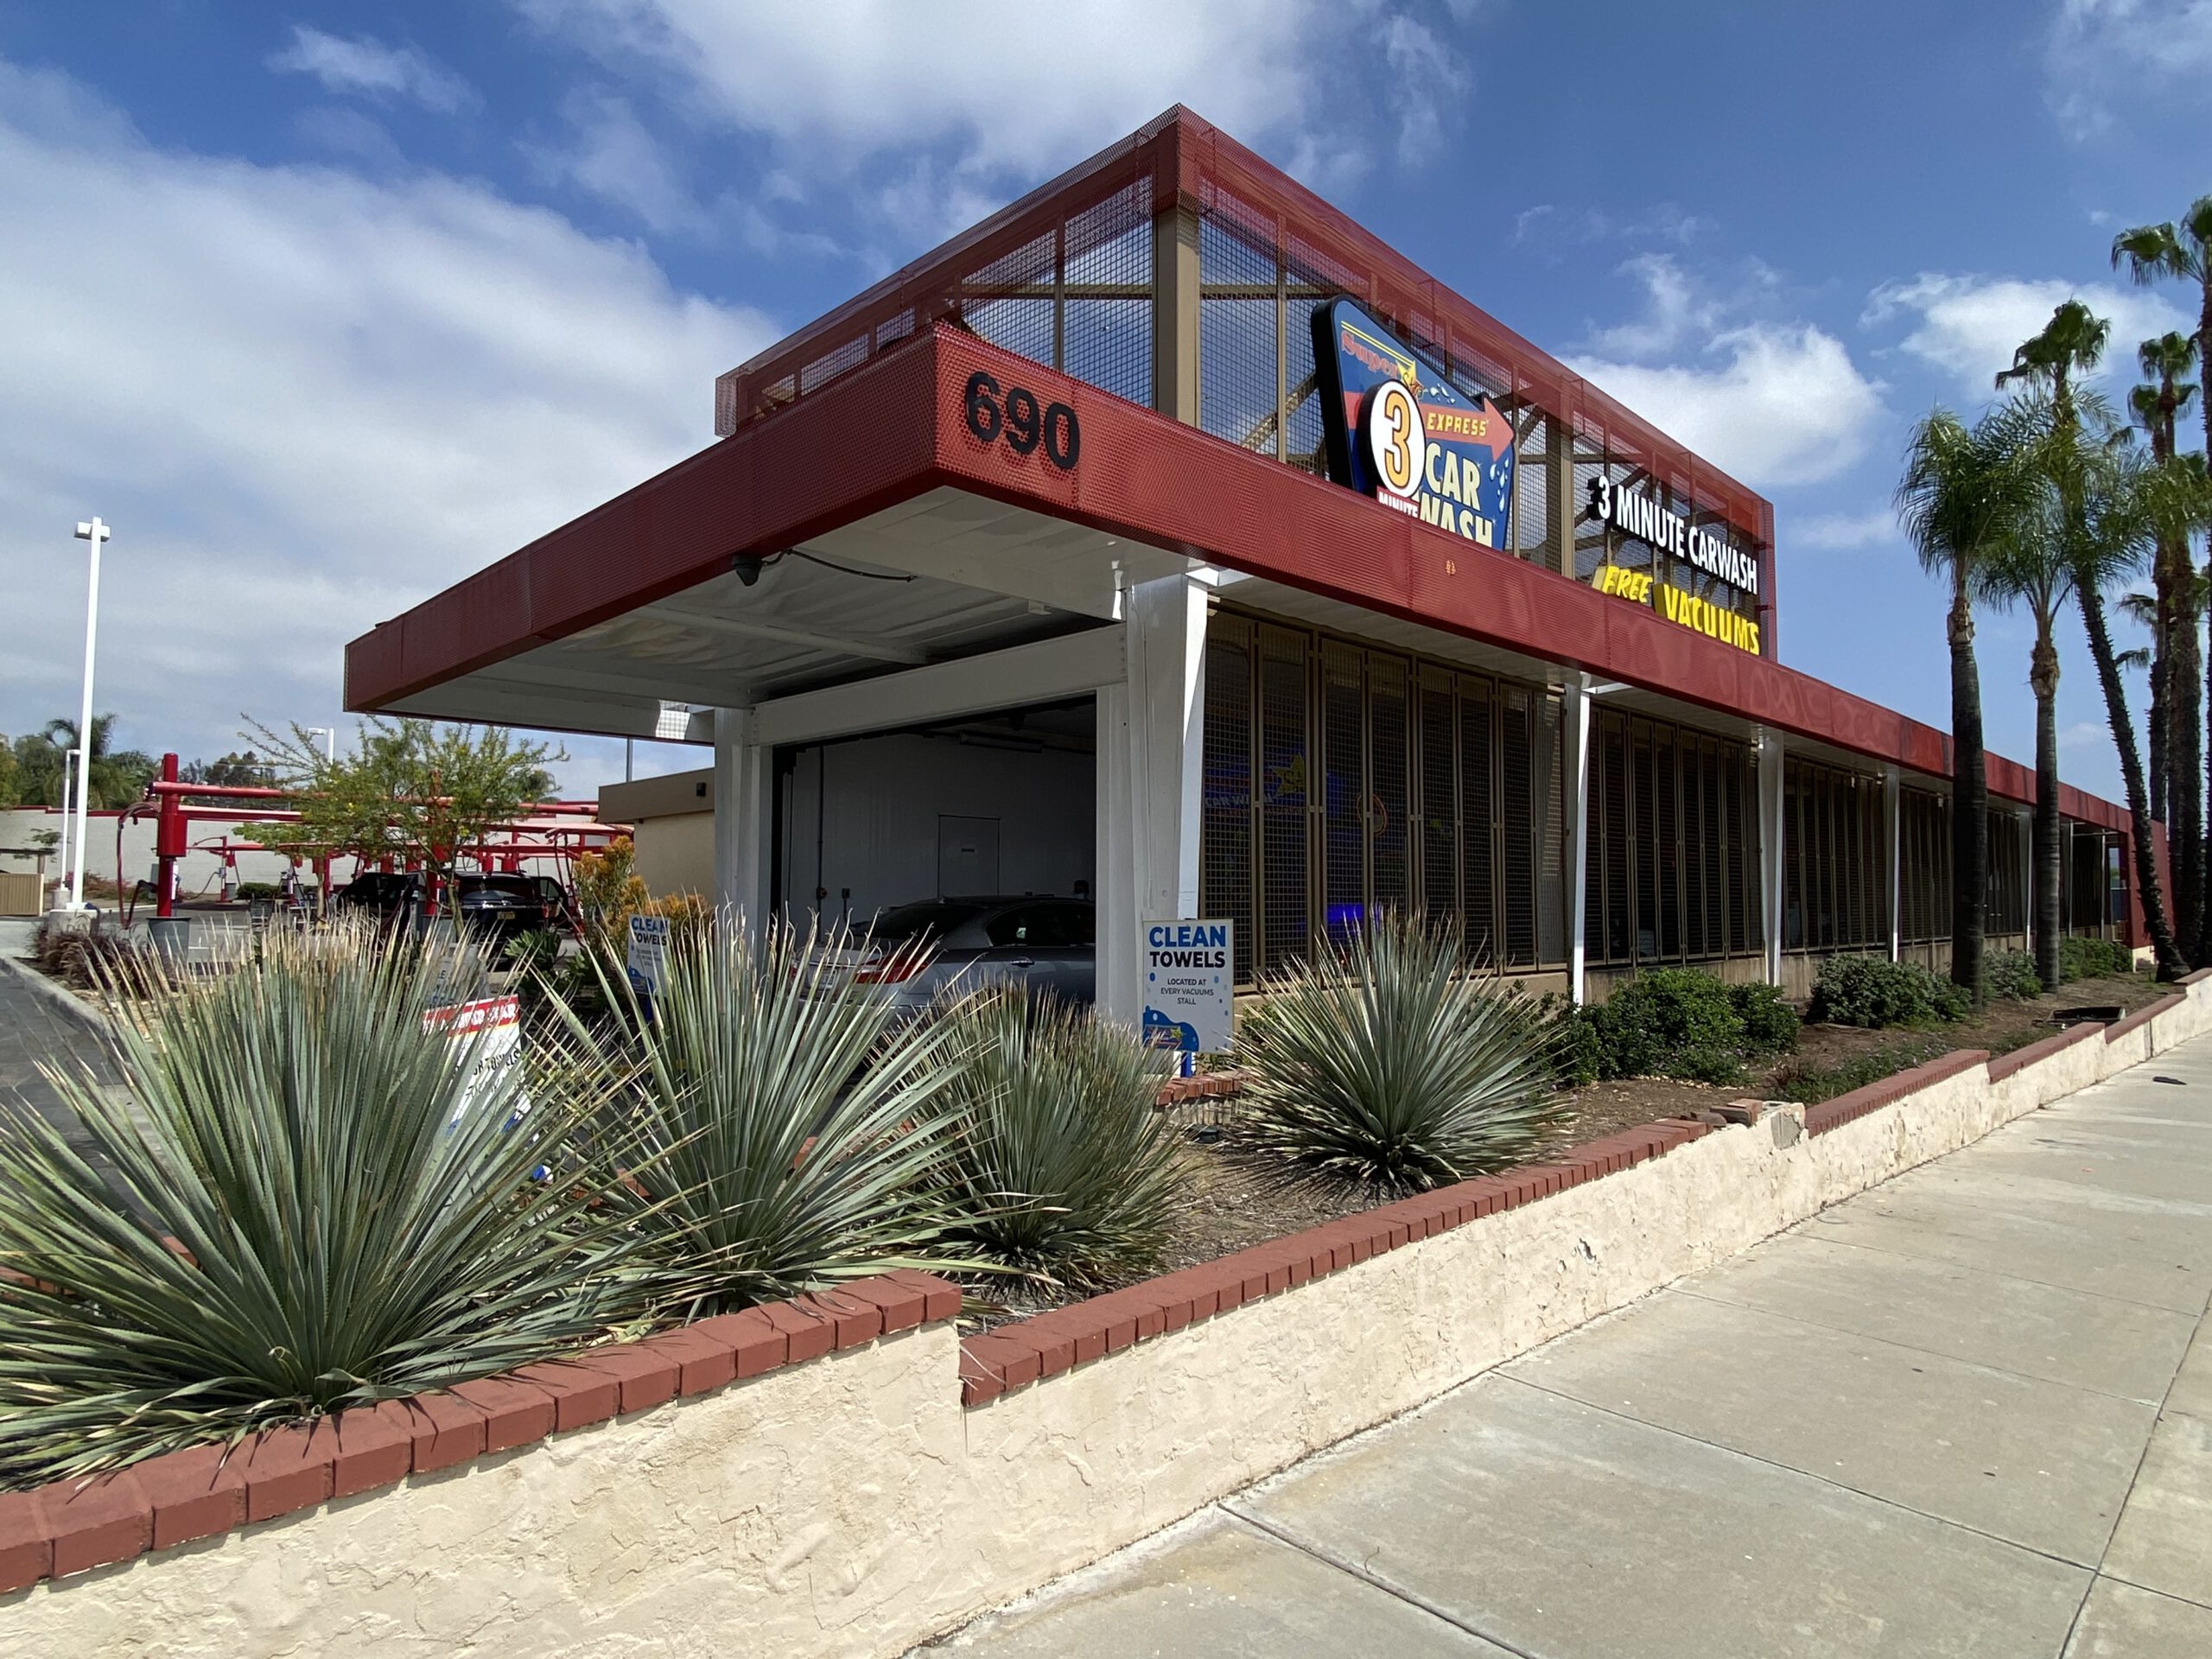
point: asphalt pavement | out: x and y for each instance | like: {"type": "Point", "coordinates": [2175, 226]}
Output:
{"type": "Point", "coordinates": [1966, 1413]}
{"type": "Point", "coordinates": [37, 1026]}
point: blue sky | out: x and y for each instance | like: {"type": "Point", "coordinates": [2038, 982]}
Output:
{"type": "Point", "coordinates": [324, 306]}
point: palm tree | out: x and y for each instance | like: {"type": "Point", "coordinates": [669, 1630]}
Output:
{"type": "Point", "coordinates": [2181, 252]}
{"type": "Point", "coordinates": [1965, 494]}
{"type": "Point", "coordinates": [2116, 502]}
{"type": "Point", "coordinates": [116, 776]}
{"type": "Point", "coordinates": [2027, 563]}
{"type": "Point", "coordinates": [2142, 609]}
{"type": "Point", "coordinates": [2071, 343]}
{"type": "Point", "coordinates": [2176, 741]}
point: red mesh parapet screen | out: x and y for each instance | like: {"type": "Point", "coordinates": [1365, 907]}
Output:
{"type": "Point", "coordinates": [1065, 276]}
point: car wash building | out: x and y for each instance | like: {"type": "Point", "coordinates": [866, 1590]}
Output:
{"type": "Point", "coordinates": [1169, 540]}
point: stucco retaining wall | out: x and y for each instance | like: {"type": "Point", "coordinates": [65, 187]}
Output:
{"type": "Point", "coordinates": [850, 1506]}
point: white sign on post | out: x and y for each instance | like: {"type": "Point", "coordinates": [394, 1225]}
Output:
{"type": "Point", "coordinates": [648, 959]}
{"type": "Point", "coordinates": [493, 1028]}
{"type": "Point", "coordinates": [1189, 1003]}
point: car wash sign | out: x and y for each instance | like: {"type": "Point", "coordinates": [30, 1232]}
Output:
{"type": "Point", "coordinates": [1399, 430]}
{"type": "Point", "coordinates": [1188, 985]}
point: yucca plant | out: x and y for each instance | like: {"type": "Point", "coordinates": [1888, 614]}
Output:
{"type": "Point", "coordinates": [357, 1213]}
{"type": "Point", "coordinates": [796, 1123]}
{"type": "Point", "coordinates": [1063, 1169]}
{"type": "Point", "coordinates": [1380, 1063]}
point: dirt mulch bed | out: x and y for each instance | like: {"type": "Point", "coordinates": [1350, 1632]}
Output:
{"type": "Point", "coordinates": [1232, 1200]}
{"type": "Point", "coordinates": [1823, 1051]}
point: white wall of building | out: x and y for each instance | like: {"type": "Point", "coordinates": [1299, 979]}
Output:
{"type": "Point", "coordinates": [877, 822]}
{"type": "Point", "coordinates": [199, 871]}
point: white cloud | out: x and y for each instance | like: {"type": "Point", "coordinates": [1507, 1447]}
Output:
{"type": "Point", "coordinates": [306, 402]}
{"type": "Point", "coordinates": [1969, 325]}
{"type": "Point", "coordinates": [1674, 309]}
{"type": "Point", "coordinates": [364, 66]}
{"type": "Point", "coordinates": [1772, 400]}
{"type": "Point", "coordinates": [613, 157]}
{"type": "Point", "coordinates": [2100, 55]}
{"type": "Point", "coordinates": [1840, 532]}
{"type": "Point", "coordinates": [1018, 89]}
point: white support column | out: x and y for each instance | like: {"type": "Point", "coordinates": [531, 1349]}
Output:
{"type": "Point", "coordinates": [1772, 826]}
{"type": "Point", "coordinates": [2028, 878]}
{"type": "Point", "coordinates": [743, 821]}
{"type": "Point", "coordinates": [1159, 795]}
{"type": "Point", "coordinates": [1115, 902]}
{"type": "Point", "coordinates": [1578, 860]}
{"type": "Point", "coordinates": [1893, 861]}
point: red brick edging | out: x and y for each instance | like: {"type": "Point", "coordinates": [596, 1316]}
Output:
{"type": "Point", "coordinates": [1013, 1356]}
{"type": "Point", "coordinates": [1844, 1109]}
{"type": "Point", "coordinates": [72, 1526]}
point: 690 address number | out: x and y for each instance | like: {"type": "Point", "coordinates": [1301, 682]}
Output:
{"type": "Point", "coordinates": [1026, 424]}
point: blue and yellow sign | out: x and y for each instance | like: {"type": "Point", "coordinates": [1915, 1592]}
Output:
{"type": "Point", "coordinates": [1399, 430]}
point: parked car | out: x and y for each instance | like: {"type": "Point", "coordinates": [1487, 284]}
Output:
{"type": "Point", "coordinates": [503, 907]}
{"type": "Point", "coordinates": [917, 953]}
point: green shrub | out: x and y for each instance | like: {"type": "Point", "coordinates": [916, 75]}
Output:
{"type": "Point", "coordinates": [2087, 958]}
{"type": "Point", "coordinates": [1769, 1023]}
{"type": "Point", "coordinates": [1671, 1022]}
{"type": "Point", "coordinates": [1063, 1167]}
{"type": "Point", "coordinates": [250, 891]}
{"type": "Point", "coordinates": [800, 1127]}
{"type": "Point", "coordinates": [2011, 975]}
{"type": "Point", "coordinates": [1810, 1085]}
{"type": "Point", "coordinates": [364, 1219]}
{"type": "Point", "coordinates": [1577, 1048]}
{"type": "Point", "coordinates": [1380, 1062]}
{"type": "Point", "coordinates": [1875, 993]}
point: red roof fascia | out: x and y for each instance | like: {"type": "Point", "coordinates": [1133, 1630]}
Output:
{"type": "Point", "coordinates": [895, 428]}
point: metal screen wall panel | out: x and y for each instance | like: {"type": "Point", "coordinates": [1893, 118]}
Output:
{"type": "Point", "coordinates": [1438, 775]}
{"type": "Point", "coordinates": [1286, 766]}
{"type": "Point", "coordinates": [1344, 783]}
{"type": "Point", "coordinates": [1388, 814]}
{"type": "Point", "coordinates": [1478, 820]}
{"type": "Point", "coordinates": [1518, 795]}
{"type": "Point", "coordinates": [1552, 806]}
{"type": "Point", "coordinates": [1227, 870]}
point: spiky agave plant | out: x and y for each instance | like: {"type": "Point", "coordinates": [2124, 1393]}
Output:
{"type": "Point", "coordinates": [1380, 1063]}
{"type": "Point", "coordinates": [361, 1215]}
{"type": "Point", "coordinates": [1063, 1169]}
{"type": "Point", "coordinates": [796, 1123]}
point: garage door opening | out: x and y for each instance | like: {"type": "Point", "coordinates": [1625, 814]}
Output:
{"type": "Point", "coordinates": [995, 805]}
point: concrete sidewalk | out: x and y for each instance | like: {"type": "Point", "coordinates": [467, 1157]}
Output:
{"type": "Point", "coordinates": [1967, 1412]}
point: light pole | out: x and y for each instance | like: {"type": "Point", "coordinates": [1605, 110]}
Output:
{"type": "Point", "coordinates": [329, 736]}
{"type": "Point", "coordinates": [95, 532]}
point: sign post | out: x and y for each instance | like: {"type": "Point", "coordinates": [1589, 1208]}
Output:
{"type": "Point", "coordinates": [1189, 1004]}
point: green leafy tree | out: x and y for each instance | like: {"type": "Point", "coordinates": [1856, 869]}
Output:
{"type": "Point", "coordinates": [408, 790]}
{"type": "Point", "coordinates": [1966, 493]}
